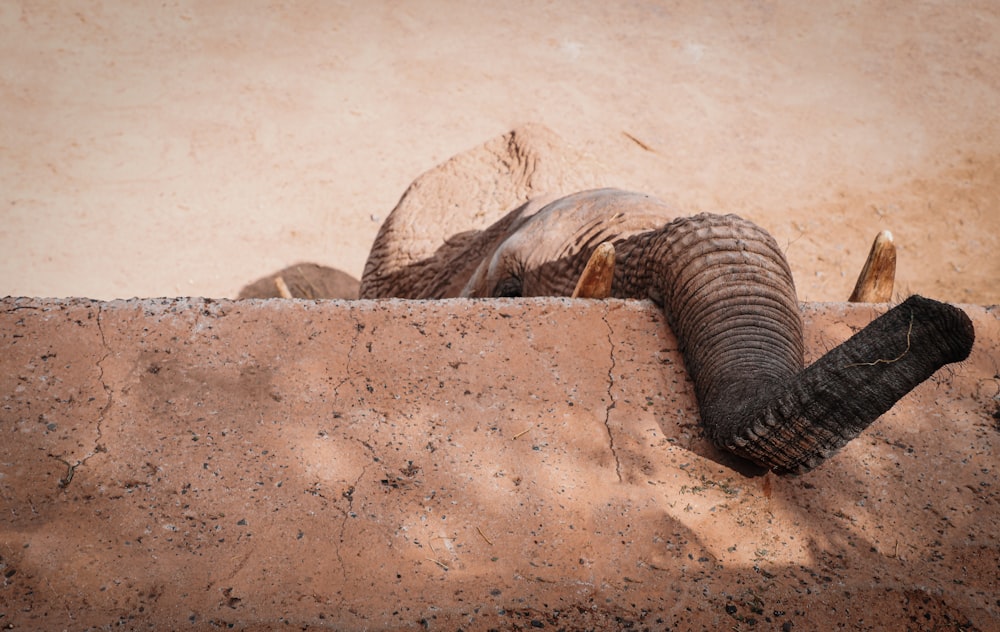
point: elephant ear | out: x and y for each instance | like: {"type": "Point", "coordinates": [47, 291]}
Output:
{"type": "Point", "coordinates": [437, 229]}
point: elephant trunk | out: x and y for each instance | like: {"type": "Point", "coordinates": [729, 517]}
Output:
{"type": "Point", "coordinates": [729, 297]}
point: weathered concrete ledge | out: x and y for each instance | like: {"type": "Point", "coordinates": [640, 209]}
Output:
{"type": "Point", "coordinates": [190, 464]}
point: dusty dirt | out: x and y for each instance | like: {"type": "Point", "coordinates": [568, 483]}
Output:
{"type": "Point", "coordinates": [184, 149]}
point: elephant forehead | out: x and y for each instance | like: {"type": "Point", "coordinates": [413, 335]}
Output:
{"type": "Point", "coordinates": [580, 222]}
{"type": "Point", "coordinates": [543, 250]}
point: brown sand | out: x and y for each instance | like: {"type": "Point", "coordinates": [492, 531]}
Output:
{"type": "Point", "coordinates": [177, 149]}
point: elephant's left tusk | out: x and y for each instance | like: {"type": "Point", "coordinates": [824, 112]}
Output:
{"type": "Point", "coordinates": [877, 277]}
{"type": "Point", "coordinates": [595, 280]}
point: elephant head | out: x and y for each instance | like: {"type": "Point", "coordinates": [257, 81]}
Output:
{"type": "Point", "coordinates": [728, 295]}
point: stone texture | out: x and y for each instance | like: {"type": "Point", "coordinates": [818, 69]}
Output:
{"type": "Point", "coordinates": [193, 464]}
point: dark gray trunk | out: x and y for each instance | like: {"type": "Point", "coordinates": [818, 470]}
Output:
{"type": "Point", "coordinates": [729, 297]}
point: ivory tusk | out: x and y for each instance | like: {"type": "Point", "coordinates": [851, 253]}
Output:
{"type": "Point", "coordinates": [595, 281]}
{"type": "Point", "coordinates": [282, 287]}
{"type": "Point", "coordinates": [877, 277]}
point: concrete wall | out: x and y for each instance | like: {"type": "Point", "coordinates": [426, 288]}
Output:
{"type": "Point", "coordinates": [190, 464]}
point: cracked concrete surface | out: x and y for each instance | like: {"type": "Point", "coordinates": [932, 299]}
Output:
{"type": "Point", "coordinates": [460, 464]}
{"type": "Point", "coordinates": [611, 397]}
{"type": "Point", "coordinates": [98, 446]}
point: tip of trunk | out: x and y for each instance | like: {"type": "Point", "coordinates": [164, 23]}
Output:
{"type": "Point", "coordinates": [797, 425]}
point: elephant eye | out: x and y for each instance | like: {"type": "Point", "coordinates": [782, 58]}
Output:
{"type": "Point", "coordinates": [509, 287]}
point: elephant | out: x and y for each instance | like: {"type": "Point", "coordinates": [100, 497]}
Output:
{"type": "Point", "coordinates": [303, 280]}
{"type": "Point", "coordinates": [526, 215]}
{"type": "Point", "coordinates": [727, 292]}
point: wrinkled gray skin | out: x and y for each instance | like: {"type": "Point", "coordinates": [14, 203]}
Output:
{"type": "Point", "coordinates": [728, 295]}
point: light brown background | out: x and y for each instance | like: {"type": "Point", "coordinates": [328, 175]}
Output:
{"type": "Point", "coordinates": [187, 148]}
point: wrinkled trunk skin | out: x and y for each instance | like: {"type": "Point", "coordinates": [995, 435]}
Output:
{"type": "Point", "coordinates": [728, 295]}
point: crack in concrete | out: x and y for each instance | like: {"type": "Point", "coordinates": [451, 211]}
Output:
{"type": "Point", "coordinates": [358, 328]}
{"type": "Point", "coordinates": [612, 403]}
{"type": "Point", "coordinates": [348, 494]}
{"type": "Point", "coordinates": [99, 447]}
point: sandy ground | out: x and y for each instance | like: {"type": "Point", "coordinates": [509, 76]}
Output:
{"type": "Point", "coordinates": [190, 148]}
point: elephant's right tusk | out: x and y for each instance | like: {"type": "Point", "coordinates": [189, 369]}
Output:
{"type": "Point", "coordinates": [877, 277]}
{"type": "Point", "coordinates": [283, 290]}
{"type": "Point", "coordinates": [595, 280]}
